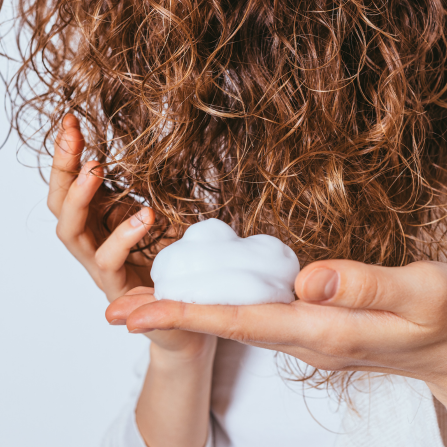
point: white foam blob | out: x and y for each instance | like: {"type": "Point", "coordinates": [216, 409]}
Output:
{"type": "Point", "coordinates": [212, 265]}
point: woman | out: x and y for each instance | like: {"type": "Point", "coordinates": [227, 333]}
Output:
{"type": "Point", "coordinates": [321, 122]}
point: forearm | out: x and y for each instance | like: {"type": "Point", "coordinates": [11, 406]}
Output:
{"type": "Point", "coordinates": [173, 408]}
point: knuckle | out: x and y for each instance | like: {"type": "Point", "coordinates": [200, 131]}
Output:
{"type": "Point", "coordinates": [67, 234]}
{"type": "Point", "coordinates": [236, 329]}
{"type": "Point", "coordinates": [329, 364]}
{"type": "Point", "coordinates": [333, 347]}
{"type": "Point", "coordinates": [51, 205]}
{"type": "Point", "coordinates": [353, 351]}
{"type": "Point", "coordinates": [324, 363]}
{"type": "Point", "coordinates": [102, 260]}
{"type": "Point", "coordinates": [436, 274]}
{"type": "Point", "coordinates": [233, 330]}
{"type": "Point", "coordinates": [175, 319]}
{"type": "Point", "coordinates": [168, 315]}
{"type": "Point", "coordinates": [62, 233]}
{"type": "Point", "coordinates": [432, 279]}
{"type": "Point", "coordinates": [72, 199]}
{"type": "Point", "coordinates": [340, 346]}
{"type": "Point", "coordinates": [367, 293]}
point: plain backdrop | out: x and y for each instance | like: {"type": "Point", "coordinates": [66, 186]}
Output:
{"type": "Point", "coordinates": [64, 372]}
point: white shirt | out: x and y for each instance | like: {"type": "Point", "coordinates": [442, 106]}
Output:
{"type": "Point", "coordinates": [252, 406]}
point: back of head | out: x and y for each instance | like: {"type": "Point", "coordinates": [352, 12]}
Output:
{"type": "Point", "coordinates": [320, 122]}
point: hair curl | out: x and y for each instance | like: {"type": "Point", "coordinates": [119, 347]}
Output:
{"type": "Point", "coordinates": [322, 122]}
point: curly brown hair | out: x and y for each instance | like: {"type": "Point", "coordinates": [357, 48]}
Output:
{"type": "Point", "coordinates": [322, 122]}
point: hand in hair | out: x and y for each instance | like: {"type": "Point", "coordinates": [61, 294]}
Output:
{"type": "Point", "coordinates": [349, 317]}
{"type": "Point", "coordinates": [72, 200]}
{"type": "Point", "coordinates": [181, 362]}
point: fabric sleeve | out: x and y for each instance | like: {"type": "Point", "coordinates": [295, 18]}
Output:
{"type": "Point", "coordinates": [390, 410]}
{"type": "Point", "coordinates": [123, 432]}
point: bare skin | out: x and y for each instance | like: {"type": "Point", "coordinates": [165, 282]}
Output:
{"type": "Point", "coordinates": [173, 408]}
{"type": "Point", "coordinates": [368, 318]}
{"type": "Point", "coordinates": [350, 317]}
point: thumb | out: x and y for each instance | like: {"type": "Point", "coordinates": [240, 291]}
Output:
{"type": "Point", "coordinates": [402, 290]}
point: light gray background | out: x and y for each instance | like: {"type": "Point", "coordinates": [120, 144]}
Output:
{"type": "Point", "coordinates": [64, 372]}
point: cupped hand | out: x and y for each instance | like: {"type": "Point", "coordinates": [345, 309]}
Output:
{"type": "Point", "coordinates": [76, 202]}
{"type": "Point", "coordinates": [349, 317]}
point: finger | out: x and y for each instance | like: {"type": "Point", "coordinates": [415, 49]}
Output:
{"type": "Point", "coordinates": [114, 251]}
{"type": "Point", "coordinates": [71, 228]}
{"type": "Point", "coordinates": [110, 258]}
{"type": "Point", "coordinates": [266, 323]}
{"type": "Point", "coordinates": [405, 291]}
{"type": "Point", "coordinates": [122, 307]}
{"type": "Point", "coordinates": [331, 331]}
{"type": "Point", "coordinates": [67, 154]}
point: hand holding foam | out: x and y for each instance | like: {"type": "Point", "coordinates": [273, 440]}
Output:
{"type": "Point", "coordinates": [212, 265]}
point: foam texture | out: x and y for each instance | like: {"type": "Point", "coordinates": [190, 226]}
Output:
{"type": "Point", "coordinates": [212, 265]}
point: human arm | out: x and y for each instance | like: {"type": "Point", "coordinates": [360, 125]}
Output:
{"type": "Point", "coordinates": [174, 404]}
{"type": "Point", "coordinates": [173, 408]}
{"type": "Point", "coordinates": [178, 381]}
{"type": "Point", "coordinates": [349, 317]}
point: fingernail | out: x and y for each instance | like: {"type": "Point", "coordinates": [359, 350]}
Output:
{"type": "Point", "coordinates": [118, 322]}
{"type": "Point", "coordinates": [321, 284]}
{"type": "Point", "coordinates": [82, 177]}
{"type": "Point", "coordinates": [140, 331]}
{"type": "Point", "coordinates": [140, 218]}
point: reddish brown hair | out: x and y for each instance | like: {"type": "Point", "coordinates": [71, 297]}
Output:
{"type": "Point", "coordinates": [321, 122]}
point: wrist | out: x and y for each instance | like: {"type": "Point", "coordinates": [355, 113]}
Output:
{"type": "Point", "coordinates": [198, 355]}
